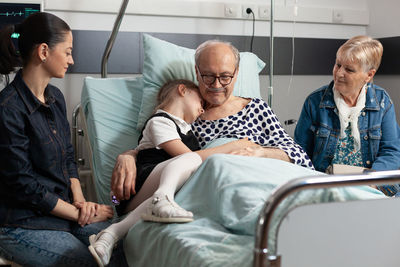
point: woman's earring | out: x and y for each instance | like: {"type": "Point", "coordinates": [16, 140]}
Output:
{"type": "Point", "coordinates": [44, 60]}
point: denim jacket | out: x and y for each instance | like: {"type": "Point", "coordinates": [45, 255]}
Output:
{"type": "Point", "coordinates": [36, 157]}
{"type": "Point", "coordinates": [318, 129]}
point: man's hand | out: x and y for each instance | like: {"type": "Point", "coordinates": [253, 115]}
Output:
{"type": "Point", "coordinates": [124, 175]}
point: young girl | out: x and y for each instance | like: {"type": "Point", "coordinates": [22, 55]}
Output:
{"type": "Point", "coordinates": [44, 217]}
{"type": "Point", "coordinates": [166, 134]}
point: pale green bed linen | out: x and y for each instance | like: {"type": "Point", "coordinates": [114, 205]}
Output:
{"type": "Point", "coordinates": [226, 195]}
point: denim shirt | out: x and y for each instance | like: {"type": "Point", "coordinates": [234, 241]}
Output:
{"type": "Point", "coordinates": [36, 157]}
{"type": "Point", "coordinates": [318, 129]}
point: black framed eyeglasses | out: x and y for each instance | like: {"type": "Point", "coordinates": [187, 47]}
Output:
{"type": "Point", "coordinates": [224, 80]}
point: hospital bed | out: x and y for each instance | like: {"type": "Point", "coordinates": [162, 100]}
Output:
{"type": "Point", "coordinates": [248, 211]}
{"type": "Point", "coordinates": [227, 195]}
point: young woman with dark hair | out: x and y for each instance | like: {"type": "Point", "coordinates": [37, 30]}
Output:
{"type": "Point", "coordinates": [44, 217]}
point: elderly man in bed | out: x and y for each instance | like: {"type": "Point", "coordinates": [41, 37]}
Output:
{"type": "Point", "coordinates": [225, 116]}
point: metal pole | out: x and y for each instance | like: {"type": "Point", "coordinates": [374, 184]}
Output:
{"type": "Point", "coordinates": [271, 56]}
{"type": "Point", "coordinates": [75, 114]}
{"type": "Point", "coordinates": [111, 41]}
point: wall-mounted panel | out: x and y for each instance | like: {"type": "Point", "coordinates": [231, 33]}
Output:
{"type": "Point", "coordinates": [313, 56]}
{"type": "Point", "coordinates": [391, 57]}
{"type": "Point", "coordinates": [89, 47]}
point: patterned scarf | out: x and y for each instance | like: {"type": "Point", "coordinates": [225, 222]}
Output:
{"type": "Point", "coordinates": [350, 114]}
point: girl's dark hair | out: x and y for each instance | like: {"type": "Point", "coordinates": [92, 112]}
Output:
{"type": "Point", "coordinates": [38, 28]}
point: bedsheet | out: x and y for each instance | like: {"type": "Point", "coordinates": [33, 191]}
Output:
{"type": "Point", "coordinates": [226, 195]}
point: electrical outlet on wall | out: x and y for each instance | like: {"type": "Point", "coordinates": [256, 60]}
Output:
{"type": "Point", "coordinates": [249, 16]}
{"type": "Point", "coordinates": [230, 10]}
{"type": "Point", "coordinates": [337, 16]}
{"type": "Point", "coordinates": [264, 12]}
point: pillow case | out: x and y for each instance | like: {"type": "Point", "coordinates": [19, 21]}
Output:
{"type": "Point", "coordinates": [164, 61]}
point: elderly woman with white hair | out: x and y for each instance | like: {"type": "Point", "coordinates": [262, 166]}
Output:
{"type": "Point", "coordinates": [352, 121]}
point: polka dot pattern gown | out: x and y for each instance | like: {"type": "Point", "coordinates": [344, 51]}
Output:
{"type": "Point", "coordinates": [257, 122]}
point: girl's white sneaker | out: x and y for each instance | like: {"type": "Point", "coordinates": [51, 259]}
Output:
{"type": "Point", "coordinates": [163, 210]}
{"type": "Point", "coordinates": [101, 246]}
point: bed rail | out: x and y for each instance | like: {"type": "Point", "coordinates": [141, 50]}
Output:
{"type": "Point", "coordinates": [76, 131]}
{"type": "Point", "coordinates": [262, 257]}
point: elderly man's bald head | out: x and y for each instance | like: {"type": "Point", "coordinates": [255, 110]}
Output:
{"type": "Point", "coordinates": [212, 43]}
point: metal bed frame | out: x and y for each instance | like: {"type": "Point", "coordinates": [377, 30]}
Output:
{"type": "Point", "coordinates": [262, 256]}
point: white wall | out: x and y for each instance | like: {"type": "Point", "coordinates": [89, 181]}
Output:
{"type": "Point", "coordinates": [384, 18]}
{"type": "Point", "coordinates": [314, 17]}
{"type": "Point", "coordinates": [384, 22]}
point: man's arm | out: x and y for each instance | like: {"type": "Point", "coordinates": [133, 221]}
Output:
{"type": "Point", "coordinates": [124, 175]}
